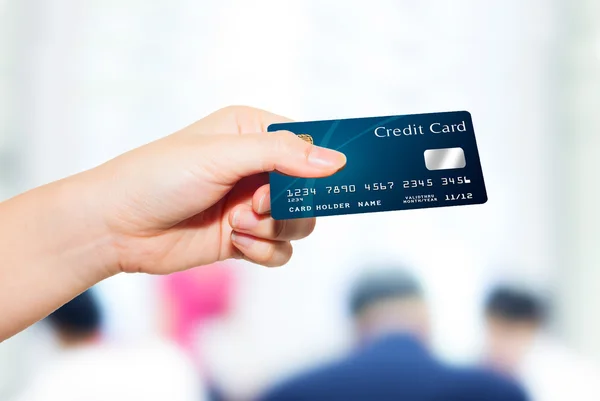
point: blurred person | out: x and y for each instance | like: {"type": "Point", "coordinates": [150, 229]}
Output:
{"type": "Point", "coordinates": [78, 323]}
{"type": "Point", "coordinates": [391, 361]}
{"type": "Point", "coordinates": [86, 369]}
{"type": "Point", "coordinates": [518, 345]}
{"type": "Point", "coordinates": [194, 299]}
{"type": "Point", "coordinates": [198, 196]}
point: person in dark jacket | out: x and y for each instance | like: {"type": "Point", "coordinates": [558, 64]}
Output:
{"type": "Point", "coordinates": [392, 361]}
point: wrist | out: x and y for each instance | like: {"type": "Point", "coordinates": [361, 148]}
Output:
{"type": "Point", "coordinates": [73, 212]}
{"type": "Point", "coordinates": [54, 246]}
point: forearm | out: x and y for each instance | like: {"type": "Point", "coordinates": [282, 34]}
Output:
{"type": "Point", "coordinates": [53, 246]}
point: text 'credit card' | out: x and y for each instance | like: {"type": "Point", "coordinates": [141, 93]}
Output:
{"type": "Point", "coordinates": [393, 163]}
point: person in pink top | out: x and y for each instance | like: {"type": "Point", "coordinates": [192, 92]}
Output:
{"type": "Point", "coordinates": [195, 297]}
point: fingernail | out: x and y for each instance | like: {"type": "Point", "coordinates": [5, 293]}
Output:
{"type": "Point", "coordinates": [244, 220]}
{"type": "Point", "coordinates": [323, 157]}
{"type": "Point", "coordinates": [242, 240]}
{"type": "Point", "coordinates": [262, 203]}
{"type": "Point", "coordinates": [235, 219]}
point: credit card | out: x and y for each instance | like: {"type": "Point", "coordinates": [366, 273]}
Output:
{"type": "Point", "coordinates": [393, 163]}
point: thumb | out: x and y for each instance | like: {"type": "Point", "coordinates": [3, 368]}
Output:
{"type": "Point", "coordinates": [280, 151]}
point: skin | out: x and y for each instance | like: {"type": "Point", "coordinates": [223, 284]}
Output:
{"type": "Point", "coordinates": [196, 197]}
{"type": "Point", "coordinates": [508, 343]}
{"type": "Point", "coordinates": [394, 315]}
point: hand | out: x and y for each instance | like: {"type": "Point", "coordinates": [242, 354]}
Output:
{"type": "Point", "coordinates": [201, 195]}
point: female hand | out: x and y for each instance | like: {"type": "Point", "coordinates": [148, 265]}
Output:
{"type": "Point", "coordinates": [201, 195]}
{"type": "Point", "coordinates": [190, 199]}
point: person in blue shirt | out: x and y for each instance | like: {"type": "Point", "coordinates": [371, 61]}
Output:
{"type": "Point", "coordinates": [392, 361]}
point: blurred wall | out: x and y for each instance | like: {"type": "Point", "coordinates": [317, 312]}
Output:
{"type": "Point", "coordinates": [579, 233]}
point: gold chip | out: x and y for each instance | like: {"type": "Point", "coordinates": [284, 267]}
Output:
{"type": "Point", "coordinates": [307, 138]}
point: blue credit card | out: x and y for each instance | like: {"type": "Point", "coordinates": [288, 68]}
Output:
{"type": "Point", "coordinates": [393, 163]}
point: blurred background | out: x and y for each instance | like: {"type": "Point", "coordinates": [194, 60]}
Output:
{"type": "Point", "coordinates": [82, 81]}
